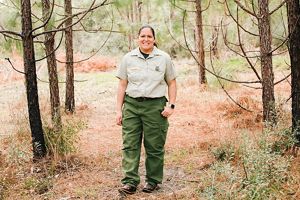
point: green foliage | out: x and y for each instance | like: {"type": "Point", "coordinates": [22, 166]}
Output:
{"type": "Point", "coordinates": [12, 21]}
{"type": "Point", "coordinates": [281, 62]}
{"type": "Point", "coordinates": [283, 141]}
{"type": "Point", "coordinates": [64, 142]}
{"type": "Point", "coordinates": [220, 177]}
{"type": "Point", "coordinates": [159, 12]}
{"type": "Point", "coordinates": [122, 3]}
{"type": "Point", "coordinates": [37, 4]}
{"type": "Point", "coordinates": [19, 150]}
{"type": "Point", "coordinates": [38, 185]}
{"type": "Point", "coordinates": [259, 172]}
{"type": "Point", "coordinates": [224, 152]}
{"type": "Point", "coordinates": [265, 170]}
{"type": "Point", "coordinates": [227, 69]}
{"type": "Point", "coordinates": [11, 45]}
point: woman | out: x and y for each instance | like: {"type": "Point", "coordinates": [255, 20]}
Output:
{"type": "Point", "coordinates": [142, 109]}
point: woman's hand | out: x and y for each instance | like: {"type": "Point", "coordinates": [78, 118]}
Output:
{"type": "Point", "coordinates": [167, 112]}
{"type": "Point", "coordinates": [119, 118]}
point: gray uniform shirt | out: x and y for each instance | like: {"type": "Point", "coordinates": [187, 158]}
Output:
{"type": "Point", "coordinates": [146, 77]}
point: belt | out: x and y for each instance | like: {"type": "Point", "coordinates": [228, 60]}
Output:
{"type": "Point", "coordinates": [141, 99]}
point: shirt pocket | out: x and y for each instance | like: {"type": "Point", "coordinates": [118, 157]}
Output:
{"type": "Point", "coordinates": [156, 72]}
{"type": "Point", "coordinates": [134, 74]}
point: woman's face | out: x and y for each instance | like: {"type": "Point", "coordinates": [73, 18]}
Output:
{"type": "Point", "coordinates": [146, 40]}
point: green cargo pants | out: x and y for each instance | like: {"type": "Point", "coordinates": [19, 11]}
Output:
{"type": "Point", "coordinates": [143, 119]}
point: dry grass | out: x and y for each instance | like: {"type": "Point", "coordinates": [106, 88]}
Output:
{"type": "Point", "coordinates": [94, 64]}
{"type": "Point", "coordinates": [248, 117]}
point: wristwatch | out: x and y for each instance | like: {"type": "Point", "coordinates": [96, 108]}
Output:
{"type": "Point", "coordinates": [172, 106]}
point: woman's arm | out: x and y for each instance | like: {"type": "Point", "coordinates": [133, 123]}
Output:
{"type": "Point", "coordinates": [172, 92]}
{"type": "Point", "coordinates": [120, 100]}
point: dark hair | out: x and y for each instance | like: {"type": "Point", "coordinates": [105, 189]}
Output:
{"type": "Point", "coordinates": [152, 30]}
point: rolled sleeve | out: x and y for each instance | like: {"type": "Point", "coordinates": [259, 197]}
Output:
{"type": "Point", "coordinates": [122, 70]}
{"type": "Point", "coordinates": [170, 70]}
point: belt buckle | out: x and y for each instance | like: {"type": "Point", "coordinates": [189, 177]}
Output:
{"type": "Point", "coordinates": [141, 99]}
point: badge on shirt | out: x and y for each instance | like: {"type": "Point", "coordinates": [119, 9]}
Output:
{"type": "Point", "coordinates": [157, 68]}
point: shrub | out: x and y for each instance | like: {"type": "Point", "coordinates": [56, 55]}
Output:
{"type": "Point", "coordinates": [225, 152]}
{"type": "Point", "coordinates": [260, 171]}
{"type": "Point", "coordinates": [64, 142]}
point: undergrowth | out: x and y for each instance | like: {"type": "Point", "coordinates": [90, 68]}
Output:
{"type": "Point", "coordinates": [19, 173]}
{"type": "Point", "coordinates": [255, 169]}
{"type": "Point", "coordinates": [64, 142]}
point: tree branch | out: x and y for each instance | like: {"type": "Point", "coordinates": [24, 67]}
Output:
{"type": "Point", "coordinates": [84, 13]}
{"type": "Point", "coordinates": [278, 7]}
{"type": "Point", "coordinates": [172, 36]}
{"type": "Point", "coordinates": [14, 67]}
{"type": "Point", "coordinates": [60, 41]}
{"type": "Point", "coordinates": [174, 4]}
{"type": "Point", "coordinates": [216, 75]}
{"type": "Point", "coordinates": [85, 59]}
{"type": "Point", "coordinates": [226, 42]}
{"type": "Point", "coordinates": [223, 88]}
{"type": "Point", "coordinates": [244, 8]}
{"type": "Point", "coordinates": [244, 29]}
{"type": "Point", "coordinates": [3, 31]}
{"type": "Point", "coordinates": [206, 6]}
{"type": "Point", "coordinates": [47, 21]}
{"type": "Point", "coordinates": [242, 48]}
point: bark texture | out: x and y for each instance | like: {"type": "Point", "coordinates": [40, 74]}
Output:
{"type": "Point", "coordinates": [269, 113]}
{"type": "Point", "coordinates": [70, 99]}
{"type": "Point", "coordinates": [52, 69]}
{"type": "Point", "coordinates": [200, 43]}
{"type": "Point", "coordinates": [293, 10]}
{"type": "Point", "coordinates": [38, 142]}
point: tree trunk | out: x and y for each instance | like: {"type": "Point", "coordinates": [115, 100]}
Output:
{"type": "Point", "coordinates": [70, 99]}
{"type": "Point", "coordinates": [139, 9]}
{"type": "Point", "coordinates": [214, 43]}
{"type": "Point", "coordinates": [171, 16]}
{"type": "Point", "coordinates": [52, 69]}
{"type": "Point", "coordinates": [38, 142]}
{"type": "Point", "coordinates": [200, 43]}
{"type": "Point", "coordinates": [148, 13]}
{"type": "Point", "coordinates": [130, 18]}
{"type": "Point", "coordinates": [293, 12]}
{"type": "Point", "coordinates": [269, 113]}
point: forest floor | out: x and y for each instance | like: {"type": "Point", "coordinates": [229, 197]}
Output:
{"type": "Point", "coordinates": [204, 119]}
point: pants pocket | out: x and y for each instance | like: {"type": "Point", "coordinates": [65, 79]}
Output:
{"type": "Point", "coordinates": [164, 131]}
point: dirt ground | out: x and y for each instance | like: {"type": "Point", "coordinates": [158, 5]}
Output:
{"type": "Point", "coordinates": [203, 118]}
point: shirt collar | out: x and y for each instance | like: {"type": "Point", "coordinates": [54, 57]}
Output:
{"type": "Point", "coordinates": [136, 52]}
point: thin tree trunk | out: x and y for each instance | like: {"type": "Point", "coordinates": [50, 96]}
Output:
{"type": "Point", "coordinates": [293, 11]}
{"type": "Point", "coordinates": [52, 70]}
{"type": "Point", "coordinates": [200, 43]}
{"type": "Point", "coordinates": [70, 99]}
{"type": "Point", "coordinates": [171, 16]}
{"type": "Point", "coordinates": [214, 43]}
{"type": "Point", "coordinates": [139, 8]}
{"type": "Point", "coordinates": [148, 12]}
{"type": "Point", "coordinates": [38, 142]}
{"type": "Point", "coordinates": [130, 17]}
{"type": "Point", "coordinates": [269, 113]}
